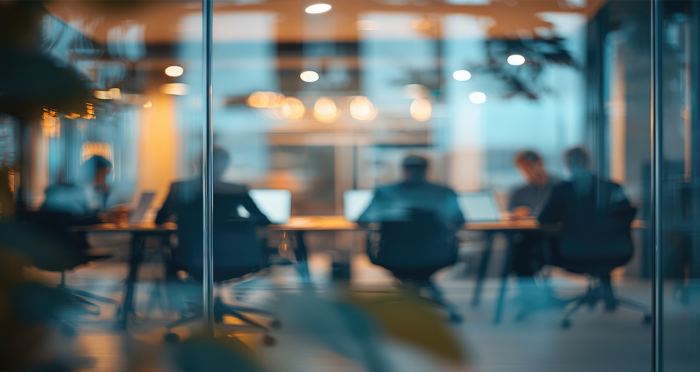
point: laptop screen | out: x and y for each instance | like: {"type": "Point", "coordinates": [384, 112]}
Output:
{"type": "Point", "coordinates": [137, 215]}
{"type": "Point", "coordinates": [479, 206]}
{"type": "Point", "coordinates": [276, 205]}
{"type": "Point", "coordinates": [355, 202]}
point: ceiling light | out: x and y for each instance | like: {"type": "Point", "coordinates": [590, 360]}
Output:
{"type": "Point", "coordinates": [309, 76]}
{"type": "Point", "coordinates": [318, 8]}
{"type": "Point", "coordinates": [174, 71]}
{"type": "Point", "coordinates": [516, 60]}
{"type": "Point", "coordinates": [462, 75]}
{"type": "Point", "coordinates": [477, 97]}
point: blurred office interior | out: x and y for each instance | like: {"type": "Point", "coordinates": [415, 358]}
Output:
{"type": "Point", "coordinates": [313, 106]}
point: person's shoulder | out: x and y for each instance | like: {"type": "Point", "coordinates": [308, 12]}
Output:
{"type": "Point", "coordinates": [554, 180]}
{"type": "Point", "coordinates": [519, 189]}
{"type": "Point", "coordinates": [230, 188]}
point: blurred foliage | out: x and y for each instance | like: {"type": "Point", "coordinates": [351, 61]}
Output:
{"type": "Point", "coordinates": [206, 353]}
{"type": "Point", "coordinates": [414, 320]}
{"type": "Point", "coordinates": [26, 306]}
{"type": "Point", "coordinates": [32, 79]}
{"type": "Point", "coordinates": [524, 80]}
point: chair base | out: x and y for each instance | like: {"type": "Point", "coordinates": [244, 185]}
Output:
{"type": "Point", "coordinates": [595, 294]}
{"type": "Point", "coordinates": [221, 309]}
{"type": "Point", "coordinates": [436, 298]}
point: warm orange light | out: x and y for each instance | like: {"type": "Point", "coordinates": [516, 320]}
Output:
{"type": "Point", "coordinates": [361, 108]}
{"type": "Point", "coordinates": [116, 93]}
{"type": "Point", "coordinates": [421, 109]}
{"type": "Point", "coordinates": [293, 109]}
{"type": "Point", "coordinates": [275, 100]}
{"type": "Point", "coordinates": [325, 110]}
{"type": "Point", "coordinates": [177, 89]}
{"type": "Point", "coordinates": [103, 94]}
{"type": "Point", "coordinates": [266, 100]}
{"type": "Point", "coordinates": [148, 104]}
{"type": "Point", "coordinates": [257, 100]}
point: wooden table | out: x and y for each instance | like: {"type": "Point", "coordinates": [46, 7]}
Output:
{"type": "Point", "coordinates": [139, 233]}
{"type": "Point", "coordinates": [298, 225]}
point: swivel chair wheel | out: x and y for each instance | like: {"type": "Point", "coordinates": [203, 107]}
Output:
{"type": "Point", "coordinates": [455, 318]}
{"type": "Point", "coordinates": [565, 324]}
{"type": "Point", "coordinates": [68, 330]}
{"type": "Point", "coordinates": [647, 319]}
{"type": "Point", "coordinates": [276, 324]}
{"type": "Point", "coordinates": [171, 338]}
{"type": "Point", "coordinates": [269, 340]}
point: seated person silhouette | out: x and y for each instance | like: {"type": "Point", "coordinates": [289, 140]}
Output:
{"type": "Point", "coordinates": [526, 202]}
{"type": "Point", "coordinates": [91, 203]}
{"type": "Point", "coordinates": [417, 225]}
{"type": "Point", "coordinates": [594, 216]}
{"type": "Point", "coordinates": [236, 249]}
{"type": "Point", "coordinates": [232, 205]}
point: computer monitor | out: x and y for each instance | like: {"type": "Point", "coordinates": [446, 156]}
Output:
{"type": "Point", "coordinates": [276, 205]}
{"type": "Point", "coordinates": [355, 202]}
{"type": "Point", "coordinates": [137, 215]}
{"type": "Point", "coordinates": [479, 206]}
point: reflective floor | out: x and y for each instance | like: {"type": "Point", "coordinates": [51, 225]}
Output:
{"type": "Point", "coordinates": [597, 341]}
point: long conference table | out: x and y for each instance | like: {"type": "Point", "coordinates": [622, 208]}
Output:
{"type": "Point", "coordinates": [299, 226]}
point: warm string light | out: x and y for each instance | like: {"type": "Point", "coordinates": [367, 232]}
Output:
{"type": "Point", "coordinates": [361, 108]}
{"type": "Point", "coordinates": [421, 109]}
{"type": "Point", "coordinates": [325, 110]}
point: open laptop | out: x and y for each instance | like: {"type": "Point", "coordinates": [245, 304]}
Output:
{"type": "Point", "coordinates": [480, 206]}
{"type": "Point", "coordinates": [136, 216]}
{"type": "Point", "coordinates": [276, 205]}
{"type": "Point", "coordinates": [355, 202]}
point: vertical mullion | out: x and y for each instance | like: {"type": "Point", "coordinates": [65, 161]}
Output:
{"type": "Point", "coordinates": [208, 160]}
{"type": "Point", "coordinates": [657, 179]}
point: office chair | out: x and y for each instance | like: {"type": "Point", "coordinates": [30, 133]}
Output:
{"type": "Point", "coordinates": [237, 255]}
{"type": "Point", "coordinates": [599, 286]}
{"type": "Point", "coordinates": [55, 226]}
{"type": "Point", "coordinates": [413, 250]}
{"type": "Point", "coordinates": [593, 241]}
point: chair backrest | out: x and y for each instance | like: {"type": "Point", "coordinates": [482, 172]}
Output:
{"type": "Point", "coordinates": [237, 250]}
{"type": "Point", "coordinates": [416, 242]}
{"type": "Point", "coordinates": [598, 230]}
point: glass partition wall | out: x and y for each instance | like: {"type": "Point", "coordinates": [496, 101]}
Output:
{"type": "Point", "coordinates": [530, 119]}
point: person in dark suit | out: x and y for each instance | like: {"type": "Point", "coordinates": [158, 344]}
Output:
{"type": "Point", "coordinates": [527, 202]}
{"type": "Point", "coordinates": [427, 206]}
{"type": "Point", "coordinates": [184, 205]}
{"type": "Point", "coordinates": [595, 218]}
{"type": "Point", "coordinates": [239, 203]}
{"type": "Point", "coordinates": [418, 221]}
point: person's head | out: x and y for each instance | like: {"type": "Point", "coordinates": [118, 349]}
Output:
{"type": "Point", "coordinates": [577, 160]}
{"type": "Point", "coordinates": [97, 168]}
{"type": "Point", "coordinates": [221, 162]}
{"type": "Point", "coordinates": [531, 165]}
{"type": "Point", "coordinates": [415, 168]}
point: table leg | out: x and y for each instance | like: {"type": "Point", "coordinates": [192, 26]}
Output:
{"type": "Point", "coordinates": [135, 253]}
{"type": "Point", "coordinates": [302, 257]}
{"type": "Point", "coordinates": [483, 266]}
{"type": "Point", "coordinates": [507, 265]}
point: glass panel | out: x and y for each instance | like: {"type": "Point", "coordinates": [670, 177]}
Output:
{"type": "Point", "coordinates": [679, 203]}
{"type": "Point", "coordinates": [101, 110]}
{"type": "Point", "coordinates": [352, 141]}
{"type": "Point", "coordinates": [329, 105]}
